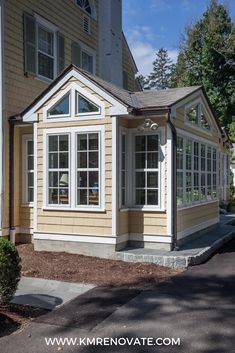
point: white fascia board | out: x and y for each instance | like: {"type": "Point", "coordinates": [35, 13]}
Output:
{"type": "Point", "coordinates": [116, 109]}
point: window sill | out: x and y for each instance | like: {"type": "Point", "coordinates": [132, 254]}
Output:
{"type": "Point", "coordinates": [69, 209]}
{"type": "Point", "coordinates": [143, 209]}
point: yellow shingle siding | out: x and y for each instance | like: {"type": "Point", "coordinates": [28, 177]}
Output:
{"type": "Point", "coordinates": [128, 67]}
{"type": "Point", "coordinates": [19, 89]}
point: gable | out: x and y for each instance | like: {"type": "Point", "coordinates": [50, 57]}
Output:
{"type": "Point", "coordinates": [83, 85]}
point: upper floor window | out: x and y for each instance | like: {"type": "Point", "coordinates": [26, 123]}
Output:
{"type": "Point", "coordinates": [85, 5]}
{"type": "Point", "coordinates": [195, 115]}
{"type": "Point", "coordinates": [44, 48]}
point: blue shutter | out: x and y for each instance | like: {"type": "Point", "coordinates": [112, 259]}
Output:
{"type": "Point", "coordinates": [76, 54]}
{"type": "Point", "coordinates": [29, 44]}
{"type": "Point", "coordinates": [60, 52]}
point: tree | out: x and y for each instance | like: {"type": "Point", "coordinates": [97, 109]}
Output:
{"type": "Point", "coordinates": [207, 57]}
{"type": "Point", "coordinates": [162, 68]}
{"type": "Point", "coordinates": [142, 80]}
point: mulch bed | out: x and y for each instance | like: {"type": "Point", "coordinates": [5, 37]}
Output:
{"type": "Point", "coordinates": [86, 269]}
{"type": "Point", "coordinates": [14, 317]}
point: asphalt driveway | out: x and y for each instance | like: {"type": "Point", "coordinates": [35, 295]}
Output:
{"type": "Point", "coordinates": [197, 306]}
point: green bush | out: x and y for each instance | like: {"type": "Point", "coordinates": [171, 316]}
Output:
{"type": "Point", "coordinates": [10, 268]}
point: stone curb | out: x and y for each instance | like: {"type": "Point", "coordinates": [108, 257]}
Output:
{"type": "Point", "coordinates": [180, 261]}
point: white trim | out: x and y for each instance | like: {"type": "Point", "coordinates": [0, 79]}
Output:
{"type": "Point", "coordinates": [42, 21]}
{"type": "Point", "coordinates": [117, 108]}
{"type": "Point", "coordinates": [196, 138]}
{"type": "Point", "coordinates": [72, 131]}
{"type": "Point", "coordinates": [150, 238]}
{"type": "Point", "coordinates": [35, 211]}
{"type": "Point", "coordinates": [169, 201]}
{"type": "Point", "coordinates": [89, 51]}
{"type": "Point", "coordinates": [186, 232]}
{"type": "Point", "coordinates": [25, 139]}
{"type": "Point", "coordinates": [2, 164]}
{"type": "Point", "coordinates": [74, 88]}
{"type": "Point", "coordinates": [83, 238]}
{"type": "Point", "coordinates": [114, 177]}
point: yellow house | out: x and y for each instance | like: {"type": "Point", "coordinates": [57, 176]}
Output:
{"type": "Point", "coordinates": [106, 167]}
{"type": "Point", "coordinates": [38, 40]}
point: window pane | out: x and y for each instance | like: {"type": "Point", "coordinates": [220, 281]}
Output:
{"type": "Point", "coordinates": [93, 142]}
{"type": "Point", "coordinates": [62, 107]}
{"type": "Point", "coordinates": [152, 160]}
{"type": "Point", "coordinates": [140, 197]}
{"type": "Point", "coordinates": [93, 196]}
{"type": "Point", "coordinates": [152, 197]}
{"type": "Point", "coordinates": [30, 163]}
{"type": "Point", "coordinates": [192, 114]}
{"type": "Point", "coordinates": [45, 41]}
{"type": "Point", "coordinates": [140, 143]}
{"type": "Point", "coordinates": [82, 160]}
{"type": "Point", "coordinates": [53, 160]}
{"type": "Point", "coordinates": [82, 142]}
{"type": "Point", "coordinates": [152, 143]}
{"type": "Point", "coordinates": [93, 160]}
{"type": "Point", "coordinates": [53, 143]}
{"type": "Point", "coordinates": [82, 179]}
{"type": "Point", "coordinates": [53, 179]}
{"type": "Point", "coordinates": [140, 160]}
{"type": "Point", "coordinates": [87, 62]}
{"type": "Point", "coordinates": [30, 147]}
{"type": "Point", "coordinates": [30, 179]}
{"type": "Point", "coordinates": [85, 106]}
{"type": "Point", "coordinates": [53, 196]}
{"type": "Point", "coordinates": [30, 195]}
{"type": "Point", "coordinates": [64, 196]}
{"type": "Point", "coordinates": [64, 179]}
{"type": "Point", "coordinates": [152, 179]}
{"type": "Point", "coordinates": [45, 66]}
{"type": "Point", "coordinates": [82, 197]}
{"type": "Point", "coordinates": [140, 179]}
{"type": "Point", "coordinates": [93, 181]}
{"type": "Point", "coordinates": [64, 160]}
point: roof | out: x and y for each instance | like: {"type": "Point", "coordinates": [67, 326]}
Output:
{"type": "Point", "coordinates": [154, 99]}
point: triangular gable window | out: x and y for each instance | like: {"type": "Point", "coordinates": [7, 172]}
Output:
{"type": "Point", "coordinates": [85, 106]}
{"type": "Point", "coordinates": [61, 108]}
{"type": "Point", "coordinates": [204, 122]}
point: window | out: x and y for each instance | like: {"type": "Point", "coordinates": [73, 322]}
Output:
{"type": "Point", "coordinates": [88, 190]}
{"type": "Point", "coordinates": [45, 52]}
{"type": "Point", "coordinates": [197, 180]}
{"type": "Point", "coordinates": [85, 5]}
{"type": "Point", "coordinates": [195, 115]}
{"type": "Point", "coordinates": [85, 106]}
{"type": "Point", "coordinates": [72, 168]}
{"type": "Point", "coordinates": [87, 61]}
{"type": "Point", "coordinates": [61, 108]}
{"type": "Point", "coordinates": [28, 170]}
{"type": "Point", "coordinates": [146, 170]}
{"type": "Point", "coordinates": [123, 168]}
{"type": "Point", "coordinates": [58, 169]}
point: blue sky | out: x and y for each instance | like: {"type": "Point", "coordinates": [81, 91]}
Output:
{"type": "Point", "coordinates": [152, 24]}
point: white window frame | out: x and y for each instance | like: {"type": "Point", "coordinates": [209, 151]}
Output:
{"type": "Point", "coordinates": [73, 89]}
{"type": "Point", "coordinates": [49, 116]}
{"type": "Point", "coordinates": [130, 184]}
{"type": "Point", "coordinates": [89, 51]}
{"type": "Point", "coordinates": [197, 126]}
{"type": "Point", "coordinates": [42, 22]}
{"type": "Point", "coordinates": [25, 139]}
{"type": "Point", "coordinates": [123, 132]}
{"type": "Point", "coordinates": [73, 131]}
{"type": "Point", "coordinates": [201, 141]}
{"type": "Point", "coordinates": [93, 9]}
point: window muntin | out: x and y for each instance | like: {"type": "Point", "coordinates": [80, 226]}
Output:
{"type": "Point", "coordinates": [61, 108]}
{"type": "Point", "coordinates": [45, 52]}
{"type": "Point", "coordinates": [197, 181]}
{"type": "Point", "coordinates": [88, 168]}
{"type": "Point", "coordinates": [123, 169]}
{"type": "Point", "coordinates": [29, 171]}
{"type": "Point", "coordinates": [58, 169]}
{"type": "Point", "coordinates": [146, 170]}
{"type": "Point", "coordinates": [85, 106]}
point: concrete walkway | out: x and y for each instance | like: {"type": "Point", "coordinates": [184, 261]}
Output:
{"type": "Point", "coordinates": [47, 294]}
{"type": "Point", "coordinates": [192, 253]}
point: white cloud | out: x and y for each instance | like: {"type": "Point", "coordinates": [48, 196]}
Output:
{"type": "Point", "coordinates": [144, 53]}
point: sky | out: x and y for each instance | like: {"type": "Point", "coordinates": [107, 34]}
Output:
{"type": "Point", "coordinates": [152, 24]}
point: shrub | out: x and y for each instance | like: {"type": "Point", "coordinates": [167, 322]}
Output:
{"type": "Point", "coordinates": [10, 269]}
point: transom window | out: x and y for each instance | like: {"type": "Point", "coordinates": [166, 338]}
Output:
{"type": "Point", "coordinates": [146, 170]}
{"type": "Point", "coordinates": [45, 52]}
{"type": "Point", "coordinates": [195, 115]}
{"type": "Point", "coordinates": [61, 108]}
{"type": "Point", "coordinates": [85, 106]}
{"type": "Point", "coordinates": [196, 172]}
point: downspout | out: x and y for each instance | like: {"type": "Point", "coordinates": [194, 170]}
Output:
{"type": "Point", "coordinates": [11, 181]}
{"type": "Point", "coordinates": [174, 175]}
